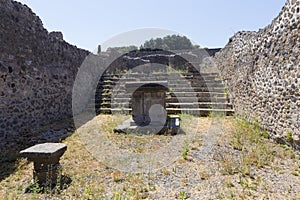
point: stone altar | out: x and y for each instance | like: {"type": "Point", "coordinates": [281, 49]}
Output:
{"type": "Point", "coordinates": [45, 158]}
{"type": "Point", "coordinates": [148, 107]}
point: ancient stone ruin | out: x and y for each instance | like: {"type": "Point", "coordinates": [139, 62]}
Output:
{"type": "Point", "coordinates": [145, 96]}
{"type": "Point", "coordinates": [148, 107]}
{"type": "Point", "coordinates": [193, 91]}
{"type": "Point", "coordinates": [37, 71]}
{"type": "Point", "coordinates": [46, 158]}
{"type": "Point", "coordinates": [261, 71]}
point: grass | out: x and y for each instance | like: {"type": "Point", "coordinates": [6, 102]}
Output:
{"type": "Point", "coordinates": [182, 195]}
{"type": "Point", "coordinates": [289, 137]}
{"type": "Point", "coordinates": [185, 150]}
{"type": "Point", "coordinates": [255, 152]}
{"type": "Point", "coordinates": [246, 165]}
{"type": "Point", "coordinates": [134, 143]}
{"type": "Point", "coordinates": [138, 143]}
{"type": "Point", "coordinates": [251, 140]}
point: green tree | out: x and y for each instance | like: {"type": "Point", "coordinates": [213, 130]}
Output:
{"type": "Point", "coordinates": [170, 42]}
{"type": "Point", "coordinates": [124, 49]}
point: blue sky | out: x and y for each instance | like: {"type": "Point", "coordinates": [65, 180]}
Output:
{"type": "Point", "coordinates": [208, 23]}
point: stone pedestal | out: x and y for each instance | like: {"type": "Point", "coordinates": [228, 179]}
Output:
{"type": "Point", "coordinates": [46, 161]}
{"type": "Point", "coordinates": [148, 108]}
{"type": "Point", "coordinates": [148, 102]}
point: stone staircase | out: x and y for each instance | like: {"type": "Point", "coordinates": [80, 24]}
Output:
{"type": "Point", "coordinates": [191, 93]}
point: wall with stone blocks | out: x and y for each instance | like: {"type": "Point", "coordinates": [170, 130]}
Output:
{"type": "Point", "coordinates": [262, 73]}
{"type": "Point", "coordinates": [37, 71]}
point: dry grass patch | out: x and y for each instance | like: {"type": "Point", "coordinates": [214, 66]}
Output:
{"type": "Point", "coordinates": [243, 164]}
{"type": "Point", "coordinates": [251, 155]}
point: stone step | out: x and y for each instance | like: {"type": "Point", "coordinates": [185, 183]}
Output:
{"type": "Point", "coordinates": [173, 105]}
{"type": "Point", "coordinates": [170, 85]}
{"type": "Point", "coordinates": [199, 105]}
{"type": "Point", "coordinates": [110, 86]}
{"type": "Point", "coordinates": [184, 74]}
{"type": "Point", "coordinates": [119, 100]}
{"type": "Point", "coordinates": [176, 100]}
{"type": "Point", "coordinates": [174, 82]}
{"type": "Point", "coordinates": [199, 111]}
{"type": "Point", "coordinates": [199, 89]}
{"type": "Point", "coordinates": [177, 104]}
{"type": "Point", "coordinates": [155, 76]}
{"type": "Point", "coordinates": [193, 111]}
{"type": "Point", "coordinates": [164, 73]}
{"type": "Point", "coordinates": [196, 94]}
{"type": "Point", "coordinates": [199, 94]}
{"type": "Point", "coordinates": [177, 89]}
{"type": "Point", "coordinates": [195, 84]}
{"type": "Point", "coordinates": [169, 94]}
{"type": "Point", "coordinates": [195, 99]}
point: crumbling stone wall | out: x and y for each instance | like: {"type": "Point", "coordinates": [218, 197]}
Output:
{"type": "Point", "coordinates": [262, 73]}
{"type": "Point", "coordinates": [37, 71]}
